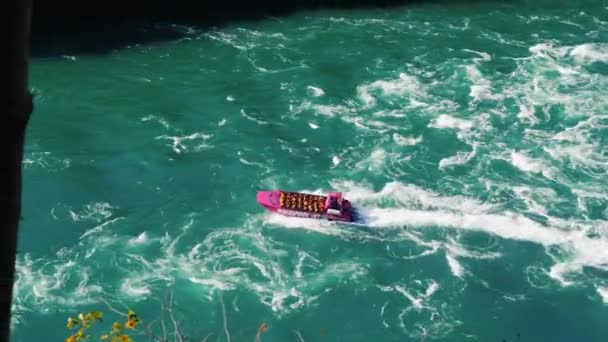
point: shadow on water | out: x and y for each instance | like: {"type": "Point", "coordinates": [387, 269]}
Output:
{"type": "Point", "coordinates": [72, 27]}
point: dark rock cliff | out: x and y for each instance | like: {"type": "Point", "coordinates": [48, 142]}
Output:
{"type": "Point", "coordinates": [76, 26]}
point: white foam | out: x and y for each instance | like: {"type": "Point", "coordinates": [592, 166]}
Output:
{"type": "Point", "coordinates": [431, 289]}
{"type": "Point", "coordinates": [313, 125]}
{"type": "Point", "coordinates": [510, 227]}
{"type": "Point", "coordinates": [181, 144]}
{"type": "Point", "coordinates": [382, 314]}
{"type": "Point", "coordinates": [559, 271]}
{"type": "Point", "coordinates": [99, 227]}
{"type": "Point", "coordinates": [335, 160]}
{"type": "Point", "coordinates": [410, 196]}
{"type": "Point", "coordinates": [536, 199]}
{"type": "Point", "coordinates": [535, 83]}
{"type": "Point", "coordinates": [298, 269]}
{"type": "Point", "coordinates": [456, 250]}
{"type": "Point", "coordinates": [547, 50]}
{"type": "Point", "coordinates": [158, 119]}
{"type": "Point", "coordinates": [365, 96]}
{"type": "Point", "coordinates": [249, 117]}
{"type": "Point", "coordinates": [139, 240]}
{"type": "Point", "coordinates": [526, 114]}
{"type": "Point", "coordinates": [135, 288]}
{"type": "Point", "coordinates": [330, 110]}
{"type": "Point", "coordinates": [231, 40]}
{"type": "Point", "coordinates": [481, 87]}
{"type": "Point", "coordinates": [455, 266]}
{"type": "Point", "coordinates": [460, 158]}
{"type": "Point", "coordinates": [327, 110]}
{"type": "Point", "coordinates": [230, 98]}
{"type": "Point", "coordinates": [373, 125]}
{"type": "Point", "coordinates": [463, 214]}
{"type": "Point", "coordinates": [396, 113]}
{"type": "Point", "coordinates": [577, 144]}
{"type": "Point", "coordinates": [97, 211]}
{"type": "Point", "coordinates": [418, 300]}
{"type": "Point", "coordinates": [480, 92]}
{"type": "Point", "coordinates": [581, 154]}
{"type": "Point", "coordinates": [305, 223]}
{"type": "Point", "coordinates": [589, 53]}
{"type": "Point", "coordinates": [525, 163]}
{"type": "Point", "coordinates": [406, 141]}
{"type": "Point", "coordinates": [213, 283]}
{"type": "Point", "coordinates": [583, 250]}
{"type": "Point", "coordinates": [483, 56]}
{"type": "Point", "coordinates": [603, 292]}
{"type": "Point", "coordinates": [375, 160]}
{"type": "Point", "coordinates": [405, 84]}
{"type": "Point", "coordinates": [45, 160]}
{"type": "Point", "coordinates": [448, 121]}
{"type": "Point", "coordinates": [315, 91]}
{"type": "Point", "coordinates": [41, 284]}
{"type": "Point", "coordinates": [258, 164]}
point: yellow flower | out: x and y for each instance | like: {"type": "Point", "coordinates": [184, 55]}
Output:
{"type": "Point", "coordinates": [116, 327]}
{"type": "Point", "coordinates": [72, 322]}
{"type": "Point", "coordinates": [96, 315]}
{"type": "Point", "coordinates": [104, 337]}
{"type": "Point", "coordinates": [125, 338]}
{"type": "Point", "coordinates": [80, 335]}
{"type": "Point", "coordinates": [71, 339]}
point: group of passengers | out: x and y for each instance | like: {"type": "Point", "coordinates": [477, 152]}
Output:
{"type": "Point", "coordinates": [302, 202]}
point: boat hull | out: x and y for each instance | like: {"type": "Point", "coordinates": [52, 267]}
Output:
{"type": "Point", "coordinates": [302, 205]}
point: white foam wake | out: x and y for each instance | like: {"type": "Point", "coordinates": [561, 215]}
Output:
{"type": "Point", "coordinates": [510, 226]}
{"type": "Point", "coordinates": [422, 209]}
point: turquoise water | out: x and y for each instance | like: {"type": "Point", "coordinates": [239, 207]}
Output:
{"type": "Point", "coordinates": [472, 136]}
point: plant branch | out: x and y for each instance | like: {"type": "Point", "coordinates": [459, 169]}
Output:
{"type": "Point", "coordinates": [224, 316]}
{"type": "Point", "coordinates": [111, 308]}
{"type": "Point", "coordinates": [175, 325]}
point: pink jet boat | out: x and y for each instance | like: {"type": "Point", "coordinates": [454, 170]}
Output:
{"type": "Point", "coordinates": [331, 207]}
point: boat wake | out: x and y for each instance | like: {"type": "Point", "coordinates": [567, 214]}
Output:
{"type": "Point", "coordinates": [571, 244]}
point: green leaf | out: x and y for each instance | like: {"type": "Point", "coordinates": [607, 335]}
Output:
{"type": "Point", "coordinates": [96, 315]}
{"type": "Point", "coordinates": [72, 322]}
